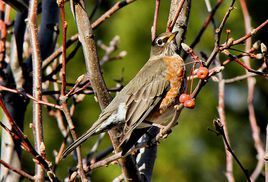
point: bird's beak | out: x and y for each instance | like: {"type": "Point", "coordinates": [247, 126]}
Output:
{"type": "Point", "coordinates": [172, 36]}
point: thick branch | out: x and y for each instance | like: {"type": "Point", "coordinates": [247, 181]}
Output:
{"type": "Point", "coordinates": [37, 86]}
{"type": "Point", "coordinates": [182, 20]}
{"type": "Point", "coordinates": [86, 38]}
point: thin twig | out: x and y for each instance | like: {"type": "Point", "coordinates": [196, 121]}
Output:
{"type": "Point", "coordinates": [220, 130]}
{"type": "Point", "coordinates": [221, 105]}
{"type": "Point", "coordinates": [238, 78]}
{"type": "Point", "coordinates": [77, 82]}
{"type": "Point", "coordinates": [58, 52]}
{"type": "Point", "coordinates": [251, 86]}
{"type": "Point", "coordinates": [3, 88]}
{"type": "Point", "coordinates": [156, 11]}
{"type": "Point", "coordinates": [94, 25]}
{"type": "Point", "coordinates": [171, 24]}
{"type": "Point", "coordinates": [96, 145]}
{"type": "Point", "coordinates": [111, 11]}
{"type": "Point", "coordinates": [250, 34]}
{"type": "Point", "coordinates": [18, 171]}
{"type": "Point", "coordinates": [221, 111]}
{"type": "Point", "coordinates": [244, 65]}
{"type": "Point", "coordinates": [57, 68]}
{"type": "Point", "coordinates": [37, 86]}
{"type": "Point", "coordinates": [206, 23]}
{"type": "Point", "coordinates": [101, 155]}
{"type": "Point", "coordinates": [63, 88]}
{"type": "Point", "coordinates": [62, 147]}
{"type": "Point", "coordinates": [219, 30]}
{"type": "Point", "coordinates": [109, 49]}
{"type": "Point", "coordinates": [22, 139]}
{"type": "Point", "coordinates": [115, 157]}
{"type": "Point", "coordinates": [74, 135]}
{"type": "Point", "coordinates": [63, 60]}
{"type": "Point", "coordinates": [217, 48]}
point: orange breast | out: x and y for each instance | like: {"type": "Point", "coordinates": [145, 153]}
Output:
{"type": "Point", "coordinates": [174, 74]}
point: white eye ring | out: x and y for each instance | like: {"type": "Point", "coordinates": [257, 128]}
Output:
{"type": "Point", "coordinates": [160, 42]}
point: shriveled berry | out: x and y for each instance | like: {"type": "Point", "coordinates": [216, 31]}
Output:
{"type": "Point", "coordinates": [184, 97]}
{"type": "Point", "coordinates": [189, 103]}
{"type": "Point", "coordinates": [202, 72]}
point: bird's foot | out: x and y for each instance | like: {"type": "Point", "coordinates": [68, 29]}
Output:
{"type": "Point", "coordinates": [159, 126]}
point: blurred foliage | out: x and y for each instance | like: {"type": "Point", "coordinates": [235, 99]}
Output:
{"type": "Point", "coordinates": [191, 152]}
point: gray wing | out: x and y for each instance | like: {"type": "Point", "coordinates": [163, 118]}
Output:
{"type": "Point", "coordinates": [142, 103]}
{"type": "Point", "coordinates": [148, 93]}
{"type": "Point", "coordinates": [140, 96]}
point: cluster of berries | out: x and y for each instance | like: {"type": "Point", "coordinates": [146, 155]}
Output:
{"type": "Point", "coordinates": [187, 101]}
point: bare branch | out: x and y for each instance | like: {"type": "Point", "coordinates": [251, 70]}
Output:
{"type": "Point", "coordinates": [22, 139]}
{"type": "Point", "coordinates": [206, 23]}
{"type": "Point", "coordinates": [251, 87]}
{"type": "Point", "coordinates": [2, 88]}
{"type": "Point", "coordinates": [176, 15]}
{"type": "Point", "coordinates": [74, 135]}
{"type": "Point", "coordinates": [93, 68]}
{"type": "Point", "coordinates": [111, 11]}
{"type": "Point", "coordinates": [251, 33]}
{"type": "Point", "coordinates": [221, 111]}
{"type": "Point", "coordinates": [10, 151]}
{"type": "Point", "coordinates": [94, 25]}
{"type": "Point", "coordinates": [220, 131]}
{"type": "Point", "coordinates": [181, 22]}
{"type": "Point", "coordinates": [18, 171]}
{"type": "Point", "coordinates": [154, 27]}
{"type": "Point", "coordinates": [37, 85]}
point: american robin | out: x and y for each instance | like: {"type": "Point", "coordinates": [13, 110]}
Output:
{"type": "Point", "coordinates": [149, 98]}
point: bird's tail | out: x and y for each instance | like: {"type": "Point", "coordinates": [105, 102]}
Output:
{"type": "Point", "coordinates": [79, 141]}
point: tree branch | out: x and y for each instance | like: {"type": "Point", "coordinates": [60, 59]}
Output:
{"type": "Point", "coordinates": [154, 27]}
{"type": "Point", "coordinates": [251, 87]}
{"type": "Point", "coordinates": [86, 38]}
{"type": "Point", "coordinates": [18, 171]}
{"type": "Point", "coordinates": [37, 85]}
{"type": "Point", "coordinates": [182, 20]}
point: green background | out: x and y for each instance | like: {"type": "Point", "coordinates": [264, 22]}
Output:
{"type": "Point", "coordinates": [191, 152]}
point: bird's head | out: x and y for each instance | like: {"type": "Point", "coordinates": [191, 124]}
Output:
{"type": "Point", "coordinates": [164, 44]}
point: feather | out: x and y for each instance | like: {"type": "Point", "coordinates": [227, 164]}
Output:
{"type": "Point", "coordinates": [140, 96]}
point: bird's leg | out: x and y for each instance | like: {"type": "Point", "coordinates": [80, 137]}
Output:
{"type": "Point", "coordinates": [161, 127]}
{"type": "Point", "coordinates": [158, 125]}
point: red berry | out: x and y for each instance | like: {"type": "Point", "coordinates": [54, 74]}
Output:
{"type": "Point", "coordinates": [184, 97]}
{"type": "Point", "coordinates": [189, 103]}
{"type": "Point", "coordinates": [202, 72]}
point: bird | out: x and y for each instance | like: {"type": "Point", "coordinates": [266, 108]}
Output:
{"type": "Point", "coordinates": [148, 99]}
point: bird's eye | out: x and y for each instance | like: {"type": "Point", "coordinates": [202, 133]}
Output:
{"type": "Point", "coordinates": [160, 42]}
